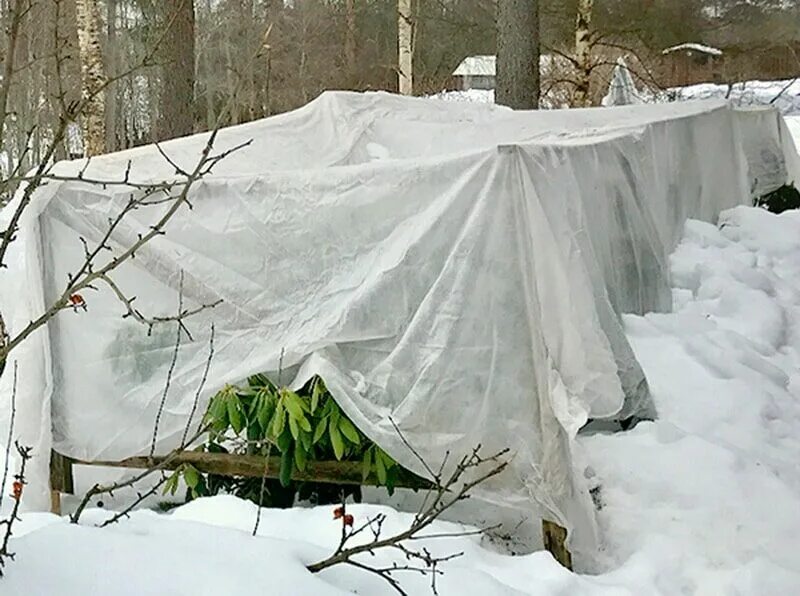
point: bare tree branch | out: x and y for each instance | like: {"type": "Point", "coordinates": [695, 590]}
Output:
{"type": "Point", "coordinates": [19, 484]}
{"type": "Point", "coordinates": [10, 438]}
{"type": "Point", "coordinates": [470, 471]}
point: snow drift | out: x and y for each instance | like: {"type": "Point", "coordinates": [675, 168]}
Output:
{"type": "Point", "coordinates": [457, 268]}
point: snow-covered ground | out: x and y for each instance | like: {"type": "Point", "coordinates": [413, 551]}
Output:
{"type": "Point", "coordinates": [784, 95]}
{"type": "Point", "coordinates": [704, 501]}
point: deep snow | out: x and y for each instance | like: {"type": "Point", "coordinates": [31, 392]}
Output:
{"type": "Point", "coordinates": [705, 500]}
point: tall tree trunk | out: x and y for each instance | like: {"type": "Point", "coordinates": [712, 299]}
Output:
{"type": "Point", "coordinates": [518, 54]}
{"type": "Point", "coordinates": [266, 56]}
{"type": "Point", "coordinates": [405, 47]}
{"type": "Point", "coordinates": [583, 50]}
{"type": "Point", "coordinates": [14, 16]}
{"type": "Point", "coordinates": [350, 40]}
{"type": "Point", "coordinates": [176, 114]}
{"type": "Point", "coordinates": [93, 77]}
{"type": "Point", "coordinates": [112, 143]}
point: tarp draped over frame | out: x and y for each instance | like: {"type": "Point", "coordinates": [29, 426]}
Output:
{"type": "Point", "coordinates": [456, 268]}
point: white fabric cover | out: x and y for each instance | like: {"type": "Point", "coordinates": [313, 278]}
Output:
{"type": "Point", "coordinates": [457, 267]}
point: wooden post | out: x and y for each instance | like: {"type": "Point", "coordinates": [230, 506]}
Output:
{"type": "Point", "coordinates": [555, 542]}
{"type": "Point", "coordinates": [61, 480]}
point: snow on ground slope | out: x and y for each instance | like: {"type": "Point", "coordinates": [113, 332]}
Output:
{"type": "Point", "coordinates": [707, 498]}
{"type": "Point", "coordinates": [206, 548]}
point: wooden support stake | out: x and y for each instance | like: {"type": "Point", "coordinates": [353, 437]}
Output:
{"type": "Point", "coordinates": [61, 480]}
{"type": "Point", "coordinates": [555, 542]}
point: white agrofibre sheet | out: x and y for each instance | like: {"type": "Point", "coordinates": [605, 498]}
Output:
{"type": "Point", "coordinates": [456, 268]}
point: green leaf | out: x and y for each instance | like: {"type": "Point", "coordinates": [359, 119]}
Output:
{"type": "Point", "coordinates": [285, 441]}
{"type": "Point", "coordinates": [319, 431]}
{"type": "Point", "coordinates": [295, 404]}
{"type": "Point", "coordinates": [336, 440]}
{"type": "Point", "coordinates": [349, 431]}
{"type": "Point", "coordinates": [258, 380]}
{"type": "Point", "coordinates": [265, 412]}
{"type": "Point", "coordinates": [191, 476]}
{"type": "Point", "coordinates": [246, 391]}
{"type": "Point", "coordinates": [235, 413]}
{"type": "Point", "coordinates": [380, 469]}
{"type": "Point", "coordinates": [171, 485]}
{"type": "Point", "coordinates": [286, 468]}
{"type": "Point", "coordinates": [253, 432]}
{"type": "Point", "coordinates": [303, 423]}
{"type": "Point", "coordinates": [255, 406]}
{"type": "Point", "coordinates": [315, 393]}
{"type": "Point", "coordinates": [366, 465]}
{"type": "Point", "coordinates": [218, 413]}
{"type": "Point", "coordinates": [388, 460]}
{"type": "Point", "coordinates": [300, 457]}
{"type": "Point", "coordinates": [391, 480]}
{"type": "Point", "coordinates": [305, 440]}
{"type": "Point", "coordinates": [294, 428]}
{"type": "Point", "coordinates": [278, 420]}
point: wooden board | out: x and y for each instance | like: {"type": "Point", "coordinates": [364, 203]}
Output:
{"type": "Point", "coordinates": [254, 466]}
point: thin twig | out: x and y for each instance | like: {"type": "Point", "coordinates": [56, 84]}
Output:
{"type": "Point", "coordinates": [447, 492]}
{"type": "Point", "coordinates": [784, 90]}
{"type": "Point", "coordinates": [158, 466]}
{"type": "Point", "coordinates": [10, 433]}
{"type": "Point", "coordinates": [20, 482]}
{"type": "Point", "coordinates": [139, 498]}
{"type": "Point", "coordinates": [171, 370]}
{"type": "Point", "coordinates": [201, 385]}
{"type": "Point", "coordinates": [263, 489]}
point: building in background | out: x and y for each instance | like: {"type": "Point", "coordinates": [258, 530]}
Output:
{"type": "Point", "coordinates": [475, 72]}
{"type": "Point", "coordinates": [690, 63]}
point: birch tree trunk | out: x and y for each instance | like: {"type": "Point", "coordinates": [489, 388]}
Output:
{"type": "Point", "coordinates": [583, 57]}
{"type": "Point", "coordinates": [518, 54]}
{"type": "Point", "coordinates": [405, 47]}
{"type": "Point", "coordinates": [112, 143]}
{"type": "Point", "coordinates": [92, 77]}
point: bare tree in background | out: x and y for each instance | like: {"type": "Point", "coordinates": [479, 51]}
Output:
{"type": "Point", "coordinates": [177, 114]}
{"type": "Point", "coordinates": [583, 54]}
{"type": "Point", "coordinates": [93, 77]}
{"type": "Point", "coordinates": [518, 54]}
{"type": "Point", "coordinates": [405, 47]}
{"type": "Point", "coordinates": [351, 32]}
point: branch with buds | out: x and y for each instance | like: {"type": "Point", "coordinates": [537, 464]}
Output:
{"type": "Point", "coordinates": [447, 490]}
{"type": "Point", "coordinates": [8, 523]}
